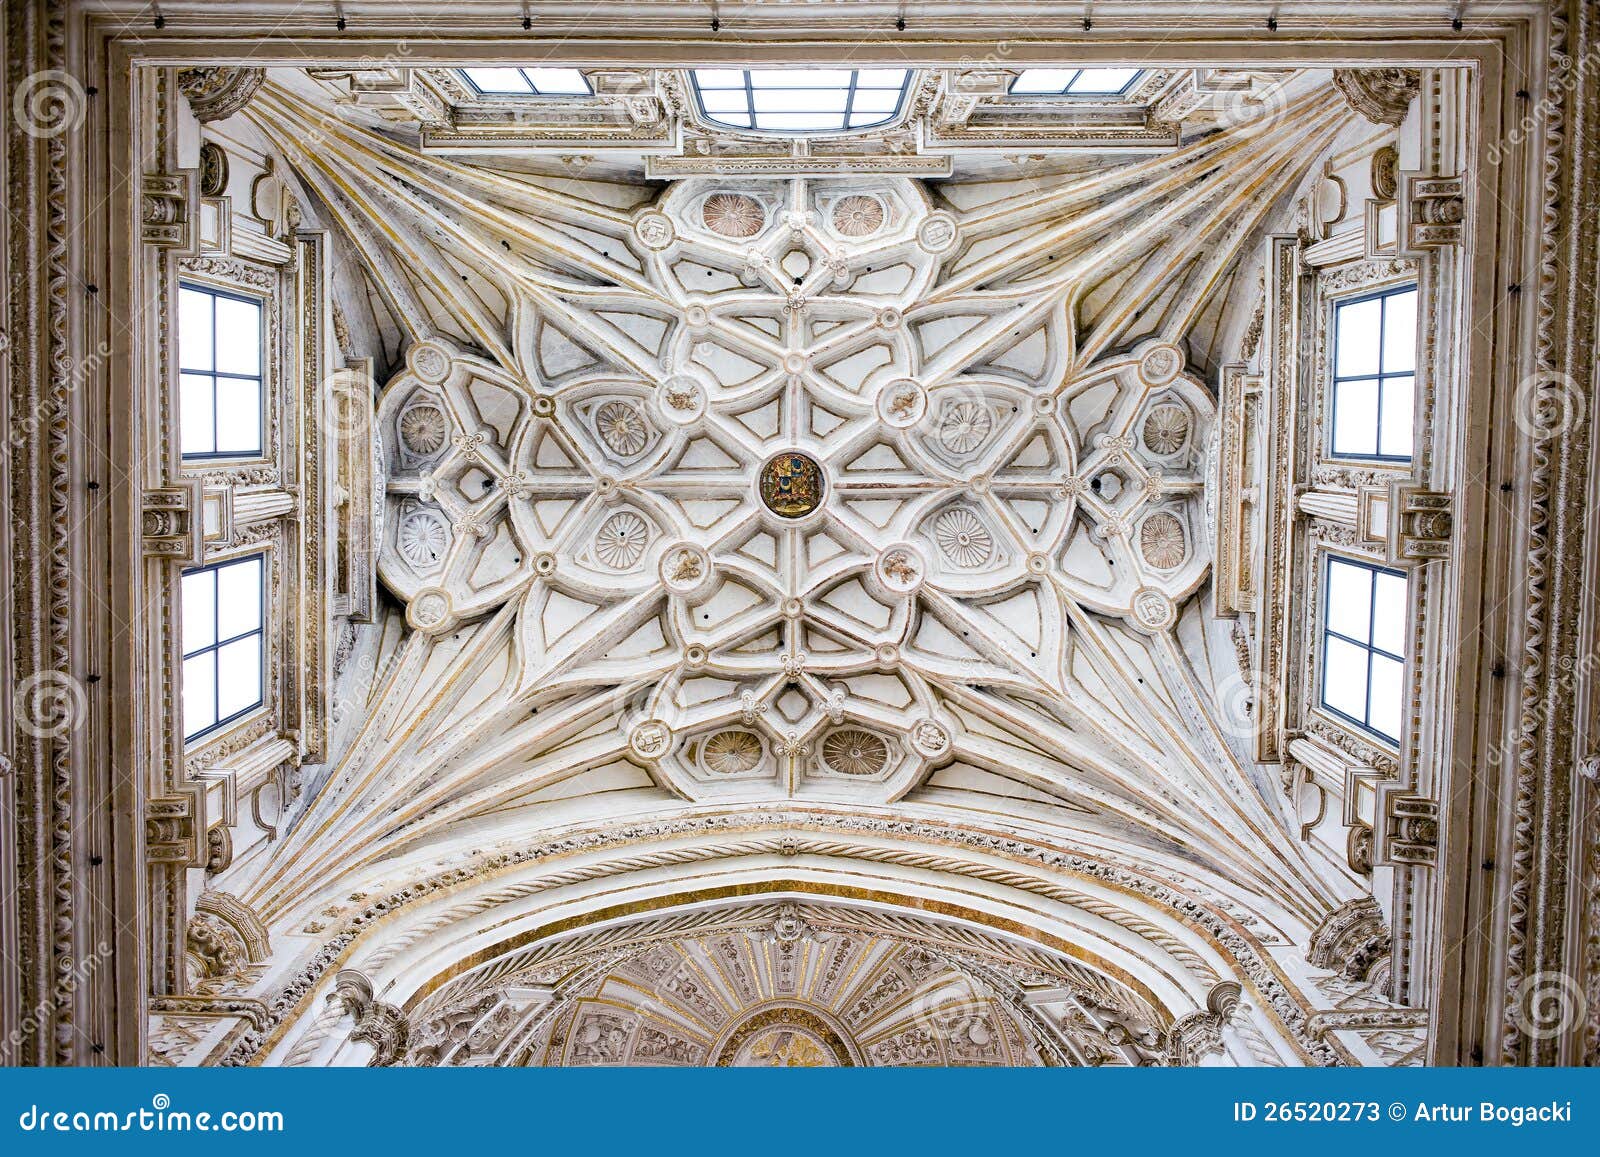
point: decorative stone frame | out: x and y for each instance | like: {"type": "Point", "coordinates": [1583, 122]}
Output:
{"type": "Point", "coordinates": [1531, 913]}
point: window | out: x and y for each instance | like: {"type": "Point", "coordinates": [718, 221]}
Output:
{"type": "Point", "coordinates": [1363, 644]}
{"type": "Point", "coordinates": [793, 100]}
{"type": "Point", "coordinates": [528, 81]}
{"type": "Point", "coordinates": [1374, 375]}
{"type": "Point", "coordinates": [219, 363]}
{"type": "Point", "coordinates": [223, 656]}
{"type": "Point", "coordinates": [1074, 81]}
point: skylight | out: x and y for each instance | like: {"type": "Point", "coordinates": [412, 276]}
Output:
{"type": "Point", "coordinates": [528, 81]}
{"type": "Point", "coordinates": [800, 100]}
{"type": "Point", "coordinates": [1074, 81]}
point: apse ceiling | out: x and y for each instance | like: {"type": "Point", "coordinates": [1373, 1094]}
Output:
{"type": "Point", "coordinates": [861, 490]}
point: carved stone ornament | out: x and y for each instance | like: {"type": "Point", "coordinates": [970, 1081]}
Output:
{"type": "Point", "coordinates": [383, 1026]}
{"type": "Point", "coordinates": [217, 93]}
{"type": "Point", "coordinates": [1351, 940]}
{"type": "Point", "coordinates": [213, 169]}
{"type": "Point", "coordinates": [1382, 95]}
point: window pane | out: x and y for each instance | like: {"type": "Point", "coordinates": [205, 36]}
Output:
{"type": "Point", "coordinates": [238, 336]}
{"type": "Point", "coordinates": [801, 78]}
{"type": "Point", "coordinates": [199, 597]}
{"type": "Point", "coordinates": [1103, 80]}
{"type": "Point", "coordinates": [1344, 678]}
{"type": "Point", "coordinates": [1357, 351]}
{"type": "Point", "coordinates": [199, 693]}
{"type": "Point", "coordinates": [1349, 600]}
{"type": "Point", "coordinates": [558, 81]}
{"type": "Point", "coordinates": [238, 416]}
{"type": "Point", "coordinates": [1043, 80]}
{"type": "Point", "coordinates": [497, 79]}
{"type": "Point", "coordinates": [238, 676]}
{"type": "Point", "coordinates": [724, 100]}
{"type": "Point", "coordinates": [238, 598]}
{"type": "Point", "coordinates": [881, 100]}
{"type": "Point", "coordinates": [194, 329]}
{"type": "Point", "coordinates": [1397, 403]}
{"type": "Point", "coordinates": [881, 78]}
{"type": "Point", "coordinates": [738, 120]}
{"type": "Point", "coordinates": [719, 77]}
{"type": "Point", "coordinates": [1400, 332]}
{"type": "Point", "coordinates": [800, 100]}
{"type": "Point", "coordinates": [804, 120]}
{"type": "Point", "coordinates": [1389, 613]}
{"type": "Point", "coordinates": [1355, 417]}
{"type": "Point", "coordinates": [195, 400]}
{"type": "Point", "coordinates": [1388, 696]}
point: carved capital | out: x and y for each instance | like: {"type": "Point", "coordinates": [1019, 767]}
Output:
{"type": "Point", "coordinates": [1199, 1034]}
{"type": "Point", "coordinates": [169, 830]}
{"type": "Point", "coordinates": [166, 215]}
{"type": "Point", "coordinates": [1408, 832]}
{"type": "Point", "coordinates": [170, 523]}
{"type": "Point", "coordinates": [1432, 210]}
{"type": "Point", "coordinates": [1382, 95]}
{"type": "Point", "coordinates": [216, 93]}
{"type": "Point", "coordinates": [1420, 523]}
{"type": "Point", "coordinates": [1352, 940]}
{"type": "Point", "coordinates": [383, 1026]}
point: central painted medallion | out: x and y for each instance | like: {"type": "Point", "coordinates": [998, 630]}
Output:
{"type": "Point", "coordinates": [791, 484]}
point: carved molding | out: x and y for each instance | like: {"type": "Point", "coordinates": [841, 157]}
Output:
{"type": "Point", "coordinates": [217, 93]}
{"type": "Point", "coordinates": [383, 1026]}
{"type": "Point", "coordinates": [1351, 940]}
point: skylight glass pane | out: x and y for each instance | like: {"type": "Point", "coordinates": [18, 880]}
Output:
{"type": "Point", "coordinates": [238, 676]}
{"type": "Point", "coordinates": [1044, 81]}
{"type": "Point", "coordinates": [238, 417]}
{"type": "Point", "coordinates": [498, 80]}
{"type": "Point", "coordinates": [725, 100]}
{"type": "Point", "coordinates": [196, 402]}
{"type": "Point", "coordinates": [194, 329]}
{"type": "Point", "coordinates": [1349, 600]}
{"type": "Point", "coordinates": [793, 122]}
{"type": "Point", "coordinates": [1344, 678]}
{"type": "Point", "coordinates": [1358, 325]}
{"type": "Point", "coordinates": [1102, 80]}
{"type": "Point", "coordinates": [1355, 417]}
{"type": "Point", "coordinates": [1400, 332]}
{"type": "Point", "coordinates": [199, 598]}
{"type": "Point", "coordinates": [1387, 696]}
{"type": "Point", "coordinates": [876, 100]}
{"type": "Point", "coordinates": [1395, 434]}
{"type": "Point", "coordinates": [238, 336]}
{"type": "Point", "coordinates": [238, 598]}
{"type": "Point", "coordinates": [801, 99]}
{"type": "Point", "coordinates": [199, 693]}
{"type": "Point", "coordinates": [1389, 613]}
{"type": "Point", "coordinates": [800, 78]}
{"type": "Point", "coordinates": [558, 81]}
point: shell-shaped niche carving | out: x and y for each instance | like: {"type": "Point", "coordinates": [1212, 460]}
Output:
{"type": "Point", "coordinates": [422, 536]}
{"type": "Point", "coordinates": [731, 752]}
{"type": "Point", "coordinates": [621, 426]}
{"type": "Point", "coordinates": [1162, 541]}
{"type": "Point", "coordinates": [621, 540]}
{"type": "Point", "coordinates": [962, 538]}
{"type": "Point", "coordinates": [733, 214]}
{"type": "Point", "coordinates": [857, 215]}
{"type": "Point", "coordinates": [854, 751]}
{"type": "Point", "coordinates": [964, 425]}
{"type": "Point", "coordinates": [1166, 429]}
